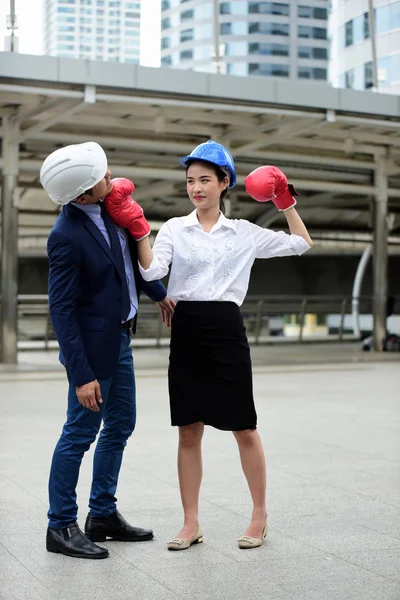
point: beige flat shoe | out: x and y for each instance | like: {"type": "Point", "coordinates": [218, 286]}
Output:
{"type": "Point", "coordinates": [249, 542]}
{"type": "Point", "coordinates": [180, 544]}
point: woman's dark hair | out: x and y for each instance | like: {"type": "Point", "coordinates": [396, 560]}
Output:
{"type": "Point", "coordinates": [221, 175]}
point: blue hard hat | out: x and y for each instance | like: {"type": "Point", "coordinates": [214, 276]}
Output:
{"type": "Point", "coordinates": [216, 154]}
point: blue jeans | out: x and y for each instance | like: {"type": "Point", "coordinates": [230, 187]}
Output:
{"type": "Point", "coordinates": [118, 413]}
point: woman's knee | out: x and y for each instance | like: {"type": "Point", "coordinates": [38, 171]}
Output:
{"type": "Point", "coordinates": [191, 435]}
{"type": "Point", "coordinates": [247, 437]}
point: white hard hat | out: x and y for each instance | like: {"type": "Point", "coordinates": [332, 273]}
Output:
{"type": "Point", "coordinates": [71, 171]}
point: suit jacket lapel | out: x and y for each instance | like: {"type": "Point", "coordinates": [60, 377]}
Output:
{"type": "Point", "coordinates": [93, 230]}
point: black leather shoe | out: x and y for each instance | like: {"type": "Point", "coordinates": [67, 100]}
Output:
{"type": "Point", "coordinates": [115, 528]}
{"type": "Point", "coordinates": [71, 541]}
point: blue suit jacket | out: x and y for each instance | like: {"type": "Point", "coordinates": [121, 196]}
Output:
{"type": "Point", "coordinates": [85, 296]}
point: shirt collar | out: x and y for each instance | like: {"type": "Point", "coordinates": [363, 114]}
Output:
{"type": "Point", "coordinates": [192, 220]}
{"type": "Point", "coordinates": [89, 209]}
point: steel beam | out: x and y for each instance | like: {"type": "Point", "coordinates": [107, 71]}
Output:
{"type": "Point", "coordinates": [286, 131]}
{"type": "Point", "coordinates": [89, 98]}
{"type": "Point", "coordinates": [380, 254]}
{"type": "Point", "coordinates": [9, 242]}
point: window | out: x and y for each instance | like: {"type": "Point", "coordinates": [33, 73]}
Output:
{"type": "Point", "coordinates": [368, 76]}
{"type": "Point", "coordinates": [65, 9]}
{"type": "Point", "coordinates": [132, 42]}
{"type": "Point", "coordinates": [186, 55]}
{"type": "Point", "coordinates": [348, 33]}
{"type": "Point", "coordinates": [312, 73]}
{"type": "Point", "coordinates": [349, 79]}
{"type": "Point", "coordinates": [132, 15]}
{"type": "Point", "coordinates": [187, 15]}
{"type": "Point", "coordinates": [186, 35]}
{"type": "Point", "coordinates": [131, 32]}
{"type": "Point", "coordinates": [269, 49]}
{"type": "Point", "coordinates": [269, 8]}
{"type": "Point", "coordinates": [65, 47]}
{"type": "Point", "coordinates": [166, 61]}
{"type": "Point", "coordinates": [268, 69]}
{"type": "Point", "coordinates": [225, 29]}
{"type": "Point", "coordinates": [165, 43]}
{"type": "Point", "coordinates": [165, 23]}
{"type": "Point", "coordinates": [382, 19]}
{"type": "Point", "coordinates": [269, 28]}
{"type": "Point", "coordinates": [236, 49]}
{"type": "Point", "coordinates": [366, 26]}
{"type": "Point", "coordinates": [165, 4]}
{"type": "Point", "coordinates": [310, 52]}
{"type": "Point", "coordinates": [317, 33]}
{"type": "Point", "coordinates": [225, 8]}
{"type": "Point", "coordinates": [312, 12]}
{"type": "Point", "coordinates": [389, 69]}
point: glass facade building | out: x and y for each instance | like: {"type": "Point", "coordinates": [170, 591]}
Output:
{"type": "Point", "coordinates": [351, 64]}
{"type": "Point", "coordinates": [282, 39]}
{"type": "Point", "coordinates": [93, 29]}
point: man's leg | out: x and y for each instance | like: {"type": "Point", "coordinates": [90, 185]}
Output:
{"type": "Point", "coordinates": [104, 521]}
{"type": "Point", "coordinates": [78, 433]}
{"type": "Point", "coordinates": [119, 422]}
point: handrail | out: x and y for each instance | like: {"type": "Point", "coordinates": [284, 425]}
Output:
{"type": "Point", "coordinates": [257, 310]}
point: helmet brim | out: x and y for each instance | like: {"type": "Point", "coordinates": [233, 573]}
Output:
{"type": "Point", "coordinates": [185, 161]}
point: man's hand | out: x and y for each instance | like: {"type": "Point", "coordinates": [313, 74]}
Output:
{"type": "Point", "coordinates": [166, 307]}
{"type": "Point", "coordinates": [89, 395]}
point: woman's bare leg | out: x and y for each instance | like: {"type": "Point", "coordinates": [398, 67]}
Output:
{"type": "Point", "coordinates": [190, 472]}
{"type": "Point", "coordinates": [253, 464]}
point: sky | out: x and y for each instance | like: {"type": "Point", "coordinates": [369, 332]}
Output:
{"type": "Point", "coordinates": [30, 14]}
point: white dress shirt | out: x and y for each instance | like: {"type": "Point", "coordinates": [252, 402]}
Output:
{"type": "Point", "coordinates": [214, 265]}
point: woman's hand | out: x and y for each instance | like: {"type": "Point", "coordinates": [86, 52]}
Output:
{"type": "Point", "coordinates": [167, 307]}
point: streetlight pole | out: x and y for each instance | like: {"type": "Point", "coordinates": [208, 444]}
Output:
{"type": "Point", "coordinates": [371, 19]}
{"type": "Point", "coordinates": [217, 56]}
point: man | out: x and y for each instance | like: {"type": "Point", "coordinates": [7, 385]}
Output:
{"type": "Point", "coordinates": [94, 289]}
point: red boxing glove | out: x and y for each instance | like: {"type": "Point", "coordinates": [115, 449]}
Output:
{"type": "Point", "coordinates": [270, 183]}
{"type": "Point", "coordinates": [124, 211]}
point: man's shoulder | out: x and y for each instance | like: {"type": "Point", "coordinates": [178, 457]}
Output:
{"type": "Point", "coordinates": [65, 230]}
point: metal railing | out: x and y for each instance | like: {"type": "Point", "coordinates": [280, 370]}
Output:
{"type": "Point", "coordinates": [258, 311]}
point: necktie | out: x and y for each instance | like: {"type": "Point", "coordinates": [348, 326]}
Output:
{"type": "Point", "coordinates": [119, 260]}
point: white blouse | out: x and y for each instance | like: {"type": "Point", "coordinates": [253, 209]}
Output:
{"type": "Point", "coordinates": [214, 265]}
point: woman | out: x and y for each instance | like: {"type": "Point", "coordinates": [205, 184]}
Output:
{"type": "Point", "coordinates": [210, 378]}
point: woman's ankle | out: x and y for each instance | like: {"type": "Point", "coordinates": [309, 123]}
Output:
{"type": "Point", "coordinates": [259, 514]}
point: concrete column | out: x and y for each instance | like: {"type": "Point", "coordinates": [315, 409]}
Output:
{"type": "Point", "coordinates": [9, 242]}
{"type": "Point", "coordinates": [380, 253]}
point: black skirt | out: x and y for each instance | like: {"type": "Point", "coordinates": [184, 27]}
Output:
{"type": "Point", "coordinates": [210, 378]}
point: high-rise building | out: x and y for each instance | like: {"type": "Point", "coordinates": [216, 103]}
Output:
{"type": "Point", "coordinates": [351, 64]}
{"type": "Point", "coordinates": [93, 29]}
{"type": "Point", "coordinates": [283, 39]}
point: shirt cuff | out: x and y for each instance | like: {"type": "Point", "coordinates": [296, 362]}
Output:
{"type": "Point", "coordinates": [299, 244]}
{"type": "Point", "coordinates": [153, 272]}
